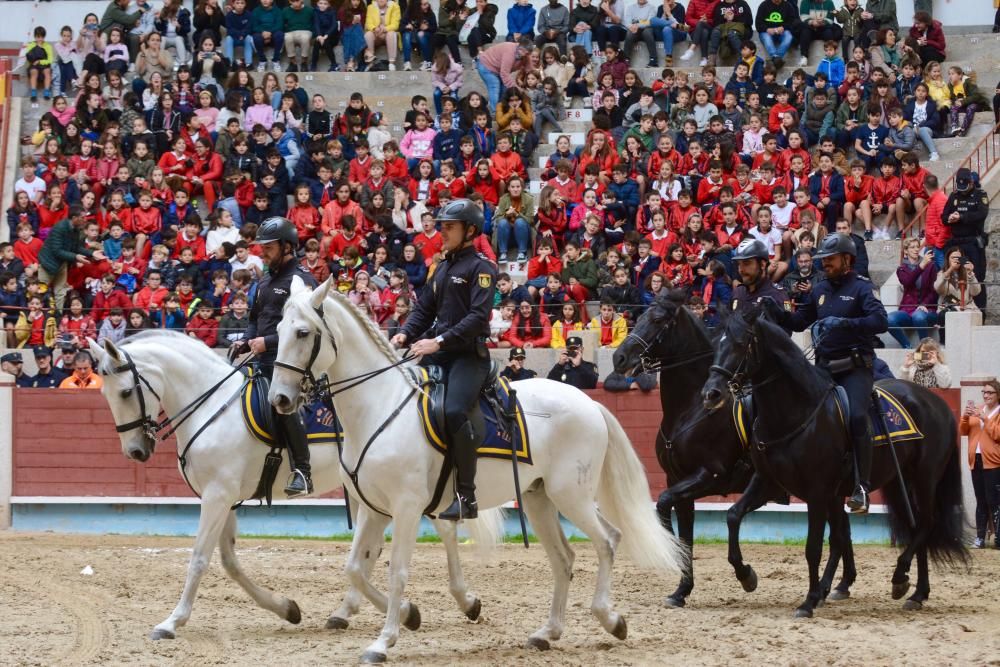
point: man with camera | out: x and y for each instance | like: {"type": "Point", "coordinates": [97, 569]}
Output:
{"type": "Point", "coordinates": [515, 368]}
{"type": "Point", "coordinates": [965, 216]}
{"type": "Point", "coordinates": [572, 369]}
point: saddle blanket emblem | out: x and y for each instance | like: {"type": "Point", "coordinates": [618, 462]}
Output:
{"type": "Point", "coordinates": [496, 441]}
{"type": "Point", "coordinates": [322, 425]}
{"type": "Point", "coordinates": [901, 425]}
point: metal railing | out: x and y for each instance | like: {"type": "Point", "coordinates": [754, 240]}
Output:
{"type": "Point", "coordinates": [5, 92]}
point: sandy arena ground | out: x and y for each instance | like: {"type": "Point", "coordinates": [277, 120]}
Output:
{"type": "Point", "coordinates": [54, 615]}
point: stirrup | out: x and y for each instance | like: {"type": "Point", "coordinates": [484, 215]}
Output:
{"type": "Point", "coordinates": [858, 503]}
{"type": "Point", "coordinates": [298, 485]}
{"type": "Point", "coordinates": [460, 509]}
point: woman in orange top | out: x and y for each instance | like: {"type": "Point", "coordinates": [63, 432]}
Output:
{"type": "Point", "coordinates": [982, 424]}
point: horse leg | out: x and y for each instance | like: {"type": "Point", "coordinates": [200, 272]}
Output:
{"type": "Point", "coordinates": [369, 536]}
{"type": "Point", "coordinates": [850, 572]}
{"type": "Point", "coordinates": [279, 604]}
{"type": "Point", "coordinates": [467, 602]}
{"type": "Point", "coordinates": [757, 493]}
{"type": "Point", "coordinates": [214, 510]}
{"type": "Point", "coordinates": [584, 515]}
{"type": "Point", "coordinates": [835, 519]}
{"type": "Point", "coordinates": [916, 601]}
{"type": "Point", "coordinates": [685, 531]}
{"type": "Point", "coordinates": [544, 519]}
{"type": "Point", "coordinates": [404, 537]}
{"type": "Point", "coordinates": [814, 553]}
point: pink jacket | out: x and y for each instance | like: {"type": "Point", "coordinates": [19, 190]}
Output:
{"type": "Point", "coordinates": [258, 113]}
{"type": "Point", "coordinates": [452, 78]}
{"type": "Point", "coordinates": [417, 144]}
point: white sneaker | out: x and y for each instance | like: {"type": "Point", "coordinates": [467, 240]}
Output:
{"type": "Point", "coordinates": [688, 55]}
{"type": "Point", "coordinates": [276, 66]}
{"type": "Point", "coordinates": [262, 65]}
{"type": "Point", "coordinates": [392, 67]}
{"type": "Point", "coordinates": [702, 62]}
{"type": "Point", "coordinates": [803, 62]}
{"type": "Point", "coordinates": [407, 67]}
{"type": "Point", "coordinates": [426, 66]}
{"type": "Point", "coordinates": [935, 157]}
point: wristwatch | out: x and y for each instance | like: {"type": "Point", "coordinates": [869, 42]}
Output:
{"type": "Point", "coordinates": [439, 340]}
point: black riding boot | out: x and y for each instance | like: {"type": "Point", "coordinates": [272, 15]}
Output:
{"type": "Point", "coordinates": [293, 433]}
{"type": "Point", "coordinates": [858, 502]}
{"type": "Point", "coordinates": [464, 444]}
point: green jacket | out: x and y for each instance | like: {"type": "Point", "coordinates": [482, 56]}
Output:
{"type": "Point", "coordinates": [115, 15]}
{"type": "Point", "coordinates": [301, 20]}
{"type": "Point", "coordinates": [811, 5]}
{"type": "Point", "coordinates": [266, 20]}
{"type": "Point", "coordinates": [61, 247]}
{"type": "Point", "coordinates": [527, 207]}
{"type": "Point", "coordinates": [884, 13]}
{"type": "Point", "coordinates": [844, 113]}
{"type": "Point", "coordinates": [584, 269]}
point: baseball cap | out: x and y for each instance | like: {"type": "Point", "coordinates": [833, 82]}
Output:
{"type": "Point", "coordinates": [517, 353]}
{"type": "Point", "coordinates": [42, 351]}
{"type": "Point", "coordinates": [574, 341]}
{"type": "Point", "coordinates": [13, 358]}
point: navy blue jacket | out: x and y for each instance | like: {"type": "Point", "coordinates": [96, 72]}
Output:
{"type": "Point", "coordinates": [627, 193]}
{"type": "Point", "coordinates": [446, 145]}
{"type": "Point", "coordinates": [933, 118]}
{"type": "Point", "coordinates": [324, 23]}
{"type": "Point", "coordinates": [851, 297]}
{"type": "Point", "coordinates": [836, 187]}
{"type": "Point", "coordinates": [238, 25]}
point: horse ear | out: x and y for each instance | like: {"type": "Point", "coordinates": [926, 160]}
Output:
{"type": "Point", "coordinates": [298, 285]}
{"type": "Point", "coordinates": [319, 294]}
{"type": "Point", "coordinates": [96, 351]}
{"type": "Point", "coordinates": [112, 350]}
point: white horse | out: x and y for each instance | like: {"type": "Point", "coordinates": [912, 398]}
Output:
{"type": "Point", "coordinates": [580, 452]}
{"type": "Point", "coordinates": [163, 370]}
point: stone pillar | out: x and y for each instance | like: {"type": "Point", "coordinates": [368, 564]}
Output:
{"type": "Point", "coordinates": [6, 447]}
{"type": "Point", "coordinates": [971, 387]}
{"type": "Point", "coordinates": [958, 341]}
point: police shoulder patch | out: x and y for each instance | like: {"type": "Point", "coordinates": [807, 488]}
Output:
{"type": "Point", "coordinates": [788, 305]}
{"type": "Point", "coordinates": [736, 304]}
{"type": "Point", "coordinates": [822, 298]}
{"type": "Point", "coordinates": [485, 280]}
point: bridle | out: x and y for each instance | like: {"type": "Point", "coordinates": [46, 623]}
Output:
{"type": "Point", "coordinates": [650, 364]}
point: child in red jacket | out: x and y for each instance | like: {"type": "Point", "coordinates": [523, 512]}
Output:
{"type": "Point", "coordinates": [146, 221]}
{"type": "Point", "coordinates": [203, 325]}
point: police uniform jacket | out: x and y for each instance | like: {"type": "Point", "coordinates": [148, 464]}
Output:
{"type": "Point", "coordinates": [853, 298]}
{"type": "Point", "coordinates": [583, 376]}
{"type": "Point", "coordinates": [744, 300]}
{"type": "Point", "coordinates": [973, 207]}
{"type": "Point", "coordinates": [50, 380]}
{"type": "Point", "coordinates": [523, 374]}
{"type": "Point", "coordinates": [270, 300]}
{"type": "Point", "coordinates": [25, 381]}
{"type": "Point", "coordinates": [456, 304]}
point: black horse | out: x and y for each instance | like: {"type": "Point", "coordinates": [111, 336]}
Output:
{"type": "Point", "coordinates": [800, 441]}
{"type": "Point", "coordinates": [701, 452]}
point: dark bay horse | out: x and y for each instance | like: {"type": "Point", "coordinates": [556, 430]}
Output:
{"type": "Point", "coordinates": [700, 452]}
{"type": "Point", "coordinates": [800, 441]}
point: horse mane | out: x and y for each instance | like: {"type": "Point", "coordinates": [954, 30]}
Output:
{"type": "Point", "coordinates": [172, 339]}
{"type": "Point", "coordinates": [374, 333]}
{"type": "Point", "coordinates": [789, 356]}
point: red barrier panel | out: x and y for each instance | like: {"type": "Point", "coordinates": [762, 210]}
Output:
{"type": "Point", "coordinates": [65, 445]}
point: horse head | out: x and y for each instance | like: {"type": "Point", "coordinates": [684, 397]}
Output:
{"type": "Point", "coordinates": [737, 357]}
{"type": "Point", "coordinates": [306, 345]}
{"type": "Point", "coordinates": [134, 398]}
{"type": "Point", "coordinates": [649, 343]}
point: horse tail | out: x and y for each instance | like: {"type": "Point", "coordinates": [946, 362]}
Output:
{"type": "Point", "coordinates": [486, 530]}
{"type": "Point", "coordinates": [945, 543]}
{"type": "Point", "coordinates": [623, 495]}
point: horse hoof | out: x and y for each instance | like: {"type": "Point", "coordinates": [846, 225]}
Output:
{"type": "Point", "coordinates": [538, 643]}
{"type": "Point", "coordinates": [412, 621]}
{"type": "Point", "coordinates": [372, 658]}
{"type": "Point", "coordinates": [837, 595]}
{"type": "Point", "coordinates": [822, 601]}
{"type": "Point", "coordinates": [674, 601]}
{"type": "Point", "coordinates": [337, 623]}
{"type": "Point", "coordinates": [159, 633]}
{"type": "Point", "coordinates": [621, 629]}
{"type": "Point", "coordinates": [913, 605]}
{"type": "Point", "coordinates": [474, 611]}
{"type": "Point", "coordinates": [294, 614]}
{"type": "Point", "coordinates": [803, 613]}
{"type": "Point", "coordinates": [749, 582]}
{"type": "Point", "coordinates": [900, 589]}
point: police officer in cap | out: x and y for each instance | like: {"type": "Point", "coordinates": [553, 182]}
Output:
{"type": "Point", "coordinates": [847, 316]}
{"type": "Point", "coordinates": [448, 327]}
{"type": "Point", "coordinates": [278, 241]}
{"type": "Point", "coordinates": [572, 369]}
{"type": "Point", "coordinates": [48, 377]}
{"type": "Point", "coordinates": [13, 363]}
{"type": "Point", "coordinates": [965, 215]}
{"type": "Point", "coordinates": [515, 369]}
{"type": "Point", "coordinates": [751, 259]}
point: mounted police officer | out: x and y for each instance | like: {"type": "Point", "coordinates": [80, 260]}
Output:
{"type": "Point", "coordinates": [965, 215]}
{"type": "Point", "coordinates": [448, 327]}
{"type": "Point", "coordinates": [751, 257]}
{"type": "Point", "coordinates": [848, 317]}
{"type": "Point", "coordinates": [278, 241]}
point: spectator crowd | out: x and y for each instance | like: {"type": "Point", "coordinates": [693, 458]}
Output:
{"type": "Point", "coordinates": [169, 134]}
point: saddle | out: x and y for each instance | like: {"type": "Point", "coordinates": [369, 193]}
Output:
{"type": "Point", "coordinates": [494, 400]}
{"type": "Point", "coordinates": [888, 411]}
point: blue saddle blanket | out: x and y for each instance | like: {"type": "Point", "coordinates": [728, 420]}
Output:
{"type": "Point", "coordinates": [496, 442]}
{"type": "Point", "coordinates": [902, 426]}
{"type": "Point", "coordinates": [322, 425]}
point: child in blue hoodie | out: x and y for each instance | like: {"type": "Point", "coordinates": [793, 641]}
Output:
{"type": "Point", "coordinates": [284, 141]}
{"type": "Point", "coordinates": [832, 64]}
{"type": "Point", "coordinates": [520, 21]}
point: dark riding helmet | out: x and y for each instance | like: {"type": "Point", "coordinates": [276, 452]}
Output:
{"type": "Point", "coordinates": [277, 229]}
{"type": "Point", "coordinates": [462, 210]}
{"type": "Point", "coordinates": [836, 244]}
{"type": "Point", "coordinates": [751, 249]}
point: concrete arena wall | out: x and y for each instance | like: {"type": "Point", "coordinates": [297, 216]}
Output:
{"type": "Point", "coordinates": [20, 18]}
